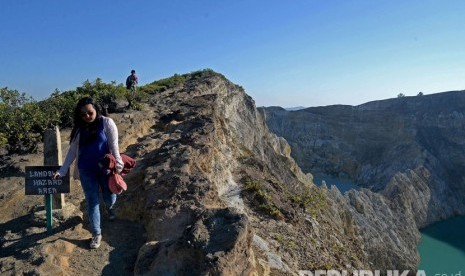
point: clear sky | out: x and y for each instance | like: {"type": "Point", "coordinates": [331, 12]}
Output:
{"type": "Point", "coordinates": [286, 53]}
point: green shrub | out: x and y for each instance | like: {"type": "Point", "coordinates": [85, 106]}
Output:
{"type": "Point", "coordinates": [312, 200]}
{"type": "Point", "coordinates": [205, 73]}
{"type": "Point", "coordinates": [107, 94]}
{"type": "Point", "coordinates": [279, 238]}
{"type": "Point", "coordinates": [59, 108]}
{"type": "Point", "coordinates": [20, 118]}
{"type": "Point", "coordinates": [23, 120]}
{"type": "Point", "coordinates": [262, 199]}
{"type": "Point", "coordinates": [177, 80]}
{"type": "Point", "coordinates": [163, 84]}
{"type": "Point", "coordinates": [253, 185]}
{"type": "Point", "coordinates": [136, 100]}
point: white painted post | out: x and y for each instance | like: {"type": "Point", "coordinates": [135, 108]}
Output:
{"type": "Point", "coordinates": [52, 157]}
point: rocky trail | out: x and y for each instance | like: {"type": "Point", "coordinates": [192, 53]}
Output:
{"type": "Point", "coordinates": [27, 249]}
{"type": "Point", "coordinates": [67, 249]}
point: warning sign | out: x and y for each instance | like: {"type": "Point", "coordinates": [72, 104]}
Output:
{"type": "Point", "coordinates": [39, 181]}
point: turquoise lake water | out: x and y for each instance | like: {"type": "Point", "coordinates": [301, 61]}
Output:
{"type": "Point", "coordinates": [442, 245]}
{"type": "Point", "coordinates": [342, 185]}
{"type": "Point", "coordinates": [442, 248]}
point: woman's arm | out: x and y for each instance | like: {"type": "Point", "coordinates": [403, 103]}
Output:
{"type": "Point", "coordinates": [112, 136]}
{"type": "Point", "coordinates": [70, 156]}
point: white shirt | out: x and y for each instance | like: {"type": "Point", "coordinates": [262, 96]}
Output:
{"type": "Point", "coordinates": [111, 131]}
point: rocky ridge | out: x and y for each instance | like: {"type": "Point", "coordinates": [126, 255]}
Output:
{"type": "Point", "coordinates": [219, 194]}
{"type": "Point", "coordinates": [216, 156]}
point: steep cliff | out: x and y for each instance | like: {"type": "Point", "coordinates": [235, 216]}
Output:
{"type": "Point", "coordinates": [219, 194]}
{"type": "Point", "coordinates": [221, 191]}
{"type": "Point", "coordinates": [410, 149]}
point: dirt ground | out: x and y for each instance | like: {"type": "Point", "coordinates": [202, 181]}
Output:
{"type": "Point", "coordinates": [27, 249]}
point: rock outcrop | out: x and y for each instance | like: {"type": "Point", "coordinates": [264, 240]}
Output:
{"type": "Point", "coordinates": [410, 149]}
{"type": "Point", "coordinates": [214, 187]}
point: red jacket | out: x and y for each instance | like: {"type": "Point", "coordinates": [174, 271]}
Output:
{"type": "Point", "coordinates": [115, 181]}
{"type": "Point", "coordinates": [128, 163]}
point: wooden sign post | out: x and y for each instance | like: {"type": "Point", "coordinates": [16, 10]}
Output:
{"type": "Point", "coordinates": [39, 179]}
{"type": "Point", "coordinates": [52, 157]}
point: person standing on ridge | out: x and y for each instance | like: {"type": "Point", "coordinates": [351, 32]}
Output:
{"type": "Point", "coordinates": [131, 81]}
{"type": "Point", "coordinates": [92, 137]}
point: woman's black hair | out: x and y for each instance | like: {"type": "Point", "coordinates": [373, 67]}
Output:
{"type": "Point", "coordinates": [78, 122]}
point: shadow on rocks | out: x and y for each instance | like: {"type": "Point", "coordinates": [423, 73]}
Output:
{"type": "Point", "coordinates": [126, 238]}
{"type": "Point", "coordinates": [9, 168]}
{"type": "Point", "coordinates": [19, 235]}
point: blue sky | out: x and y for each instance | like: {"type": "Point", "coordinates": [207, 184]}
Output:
{"type": "Point", "coordinates": [286, 53]}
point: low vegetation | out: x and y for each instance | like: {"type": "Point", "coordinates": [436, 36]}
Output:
{"type": "Point", "coordinates": [176, 81]}
{"type": "Point", "coordinates": [164, 84]}
{"type": "Point", "coordinates": [262, 198]}
{"type": "Point", "coordinates": [20, 121]}
{"type": "Point", "coordinates": [312, 200]}
{"type": "Point", "coordinates": [23, 120]}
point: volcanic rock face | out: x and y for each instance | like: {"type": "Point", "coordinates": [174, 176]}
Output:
{"type": "Point", "coordinates": [220, 194]}
{"type": "Point", "coordinates": [410, 149]}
